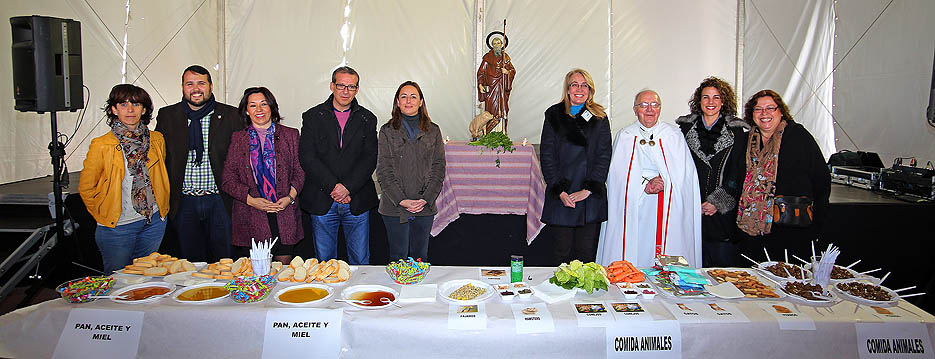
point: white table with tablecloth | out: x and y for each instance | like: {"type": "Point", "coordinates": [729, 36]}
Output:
{"type": "Point", "coordinates": [420, 330]}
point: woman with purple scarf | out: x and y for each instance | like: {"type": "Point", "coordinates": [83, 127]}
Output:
{"type": "Point", "coordinates": [124, 183]}
{"type": "Point", "coordinates": [263, 175]}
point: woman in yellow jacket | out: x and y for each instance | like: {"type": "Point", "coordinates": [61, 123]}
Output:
{"type": "Point", "coordinates": [124, 183]}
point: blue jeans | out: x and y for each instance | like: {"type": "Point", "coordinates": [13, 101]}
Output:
{"type": "Point", "coordinates": [409, 239]}
{"type": "Point", "coordinates": [119, 245]}
{"type": "Point", "coordinates": [356, 232]}
{"type": "Point", "coordinates": [203, 228]}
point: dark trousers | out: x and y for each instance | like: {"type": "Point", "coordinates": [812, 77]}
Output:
{"type": "Point", "coordinates": [574, 243]}
{"type": "Point", "coordinates": [410, 239]}
{"type": "Point", "coordinates": [719, 254]}
{"type": "Point", "coordinates": [203, 228]}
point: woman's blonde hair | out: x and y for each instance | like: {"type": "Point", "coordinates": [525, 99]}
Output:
{"type": "Point", "coordinates": [595, 108]}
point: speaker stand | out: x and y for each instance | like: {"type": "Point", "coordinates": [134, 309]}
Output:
{"type": "Point", "coordinates": [57, 152]}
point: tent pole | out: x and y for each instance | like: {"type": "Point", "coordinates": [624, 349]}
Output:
{"type": "Point", "coordinates": [222, 48]}
{"type": "Point", "coordinates": [738, 69]}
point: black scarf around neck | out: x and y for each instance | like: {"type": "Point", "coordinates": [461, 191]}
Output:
{"type": "Point", "coordinates": [195, 133]}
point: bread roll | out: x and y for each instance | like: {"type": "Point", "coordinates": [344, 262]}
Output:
{"type": "Point", "coordinates": [277, 265]}
{"type": "Point", "coordinates": [224, 277]}
{"type": "Point", "coordinates": [297, 262]}
{"type": "Point", "coordinates": [344, 274]}
{"type": "Point", "coordinates": [145, 264]}
{"type": "Point", "coordinates": [285, 274]}
{"type": "Point", "coordinates": [175, 267]}
{"type": "Point", "coordinates": [203, 275]}
{"type": "Point", "coordinates": [211, 271]}
{"type": "Point", "coordinates": [155, 271]}
{"type": "Point", "coordinates": [344, 265]}
{"type": "Point", "coordinates": [300, 274]}
{"type": "Point", "coordinates": [226, 261]}
{"type": "Point", "coordinates": [237, 267]}
{"type": "Point", "coordinates": [187, 266]}
{"type": "Point", "coordinates": [133, 271]}
{"type": "Point", "coordinates": [324, 273]}
{"type": "Point", "coordinates": [310, 262]}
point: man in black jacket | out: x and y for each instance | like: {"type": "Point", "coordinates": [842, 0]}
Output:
{"type": "Point", "coordinates": [198, 131]}
{"type": "Point", "coordinates": [338, 151]}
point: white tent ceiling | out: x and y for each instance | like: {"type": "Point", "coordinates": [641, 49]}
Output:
{"type": "Point", "coordinates": [879, 89]}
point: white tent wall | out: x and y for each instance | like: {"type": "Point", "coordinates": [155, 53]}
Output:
{"type": "Point", "coordinates": [163, 39]}
{"type": "Point", "coordinates": [787, 48]}
{"type": "Point", "coordinates": [289, 47]}
{"type": "Point", "coordinates": [292, 47]}
{"type": "Point", "coordinates": [670, 47]}
{"type": "Point", "coordinates": [884, 69]}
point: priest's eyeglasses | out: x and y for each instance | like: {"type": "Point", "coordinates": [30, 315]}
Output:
{"type": "Point", "coordinates": [767, 110]}
{"type": "Point", "coordinates": [644, 105]}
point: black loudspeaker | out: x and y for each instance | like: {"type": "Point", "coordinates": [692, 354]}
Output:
{"type": "Point", "coordinates": [46, 64]}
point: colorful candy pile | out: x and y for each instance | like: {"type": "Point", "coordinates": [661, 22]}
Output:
{"type": "Point", "coordinates": [80, 290]}
{"type": "Point", "coordinates": [250, 289]}
{"type": "Point", "coordinates": [408, 271]}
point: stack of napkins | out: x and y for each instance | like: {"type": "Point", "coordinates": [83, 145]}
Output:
{"type": "Point", "coordinates": [551, 293]}
{"type": "Point", "coordinates": [419, 293]}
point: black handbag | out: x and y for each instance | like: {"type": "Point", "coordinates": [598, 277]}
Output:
{"type": "Point", "coordinates": [792, 211]}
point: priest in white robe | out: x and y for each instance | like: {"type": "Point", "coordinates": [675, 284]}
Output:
{"type": "Point", "coordinates": [654, 203]}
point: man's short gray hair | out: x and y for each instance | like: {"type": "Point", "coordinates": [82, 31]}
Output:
{"type": "Point", "coordinates": [636, 99]}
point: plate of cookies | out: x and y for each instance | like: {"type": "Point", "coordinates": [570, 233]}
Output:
{"type": "Point", "coordinates": [157, 265]}
{"type": "Point", "coordinates": [334, 271]}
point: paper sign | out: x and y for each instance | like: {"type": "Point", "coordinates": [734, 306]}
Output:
{"type": "Point", "coordinates": [494, 275]}
{"type": "Point", "coordinates": [532, 318]}
{"type": "Point", "coordinates": [788, 316]}
{"type": "Point", "coordinates": [646, 339]}
{"type": "Point", "coordinates": [316, 333]}
{"type": "Point", "coordinates": [593, 314]}
{"type": "Point", "coordinates": [894, 314]}
{"type": "Point", "coordinates": [629, 310]}
{"type": "Point", "coordinates": [99, 333]}
{"type": "Point", "coordinates": [723, 312]}
{"type": "Point", "coordinates": [893, 340]}
{"type": "Point", "coordinates": [467, 317]}
{"type": "Point", "coordinates": [855, 312]}
{"type": "Point", "coordinates": [685, 311]}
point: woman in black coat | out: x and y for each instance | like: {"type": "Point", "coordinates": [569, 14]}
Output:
{"type": "Point", "coordinates": [575, 156]}
{"type": "Point", "coordinates": [783, 161]}
{"type": "Point", "coordinates": [717, 140]}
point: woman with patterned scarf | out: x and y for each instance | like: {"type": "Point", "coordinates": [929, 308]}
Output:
{"type": "Point", "coordinates": [717, 139]}
{"type": "Point", "coordinates": [263, 176]}
{"type": "Point", "coordinates": [124, 183]}
{"type": "Point", "coordinates": [785, 191]}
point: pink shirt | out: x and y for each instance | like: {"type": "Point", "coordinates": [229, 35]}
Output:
{"type": "Point", "coordinates": [342, 120]}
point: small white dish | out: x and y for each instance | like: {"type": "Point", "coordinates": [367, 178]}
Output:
{"type": "Point", "coordinates": [349, 292]}
{"type": "Point", "coordinates": [326, 288]}
{"type": "Point", "coordinates": [197, 287]}
{"type": "Point", "coordinates": [150, 299]}
{"type": "Point", "coordinates": [524, 293]}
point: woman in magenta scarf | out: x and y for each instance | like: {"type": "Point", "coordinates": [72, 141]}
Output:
{"type": "Point", "coordinates": [263, 175]}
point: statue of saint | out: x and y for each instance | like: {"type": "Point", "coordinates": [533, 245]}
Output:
{"type": "Point", "coordinates": [495, 78]}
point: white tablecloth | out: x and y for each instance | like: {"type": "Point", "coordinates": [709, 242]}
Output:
{"type": "Point", "coordinates": [230, 330]}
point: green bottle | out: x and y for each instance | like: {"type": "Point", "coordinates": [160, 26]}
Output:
{"type": "Point", "coordinates": [516, 269]}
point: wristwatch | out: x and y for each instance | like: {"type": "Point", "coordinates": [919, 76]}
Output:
{"type": "Point", "coordinates": [291, 199]}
